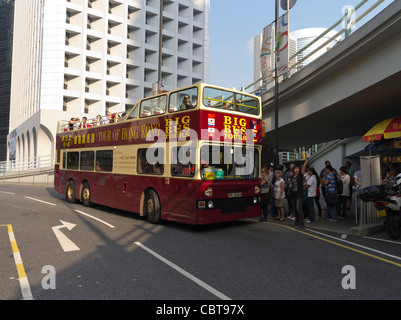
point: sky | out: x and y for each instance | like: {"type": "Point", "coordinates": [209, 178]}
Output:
{"type": "Point", "coordinates": [234, 23]}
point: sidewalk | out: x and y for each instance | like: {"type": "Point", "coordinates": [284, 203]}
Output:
{"type": "Point", "coordinates": [346, 226]}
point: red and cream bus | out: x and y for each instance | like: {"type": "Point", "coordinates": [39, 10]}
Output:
{"type": "Point", "coordinates": [190, 155]}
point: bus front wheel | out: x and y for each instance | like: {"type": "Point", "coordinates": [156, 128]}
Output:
{"type": "Point", "coordinates": [70, 192]}
{"type": "Point", "coordinates": [152, 207]}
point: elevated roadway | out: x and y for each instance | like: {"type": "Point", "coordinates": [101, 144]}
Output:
{"type": "Point", "coordinates": [344, 92]}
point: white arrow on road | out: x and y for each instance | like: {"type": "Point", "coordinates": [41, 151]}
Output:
{"type": "Point", "coordinates": [65, 243]}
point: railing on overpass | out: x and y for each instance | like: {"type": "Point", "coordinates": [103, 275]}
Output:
{"type": "Point", "coordinates": [299, 154]}
{"type": "Point", "coordinates": [27, 164]}
{"type": "Point", "coordinates": [349, 21]}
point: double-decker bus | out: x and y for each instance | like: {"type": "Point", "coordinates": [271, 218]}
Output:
{"type": "Point", "coordinates": [190, 155]}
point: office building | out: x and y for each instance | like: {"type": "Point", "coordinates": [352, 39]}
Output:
{"type": "Point", "coordinates": [6, 38]}
{"type": "Point", "coordinates": [86, 57]}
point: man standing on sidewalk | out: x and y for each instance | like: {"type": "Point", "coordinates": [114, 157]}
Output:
{"type": "Point", "coordinates": [329, 181]}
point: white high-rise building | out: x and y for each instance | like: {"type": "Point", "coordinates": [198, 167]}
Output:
{"type": "Point", "coordinates": [75, 58]}
{"type": "Point", "coordinates": [297, 40]}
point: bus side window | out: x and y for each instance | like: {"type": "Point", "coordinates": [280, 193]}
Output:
{"type": "Point", "coordinates": [87, 160]}
{"type": "Point", "coordinates": [184, 100]}
{"type": "Point", "coordinates": [73, 160]}
{"type": "Point", "coordinates": [186, 169]}
{"type": "Point", "coordinates": [104, 160]}
{"type": "Point", "coordinates": [145, 166]}
{"type": "Point", "coordinates": [154, 106]}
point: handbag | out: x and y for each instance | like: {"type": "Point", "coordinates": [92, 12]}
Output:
{"type": "Point", "coordinates": [331, 198]}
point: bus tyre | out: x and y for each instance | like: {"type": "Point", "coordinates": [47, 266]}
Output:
{"type": "Point", "coordinates": [152, 207]}
{"type": "Point", "coordinates": [70, 193]}
{"type": "Point", "coordinates": [86, 195]}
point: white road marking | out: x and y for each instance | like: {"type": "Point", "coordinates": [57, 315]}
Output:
{"type": "Point", "coordinates": [384, 240]}
{"type": "Point", "coordinates": [357, 245]}
{"type": "Point", "coordinates": [65, 243]}
{"type": "Point", "coordinates": [51, 204]}
{"type": "Point", "coordinates": [88, 215]}
{"type": "Point", "coordinates": [185, 273]}
{"type": "Point", "coordinates": [7, 192]}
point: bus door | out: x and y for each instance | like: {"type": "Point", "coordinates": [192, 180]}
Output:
{"type": "Point", "coordinates": [104, 178]}
{"type": "Point", "coordinates": [182, 185]}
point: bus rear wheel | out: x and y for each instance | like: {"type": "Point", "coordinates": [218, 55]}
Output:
{"type": "Point", "coordinates": [86, 195]}
{"type": "Point", "coordinates": [70, 193]}
{"type": "Point", "coordinates": [152, 207]}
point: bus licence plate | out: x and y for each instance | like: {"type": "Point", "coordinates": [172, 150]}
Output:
{"type": "Point", "coordinates": [235, 195]}
{"type": "Point", "coordinates": [381, 213]}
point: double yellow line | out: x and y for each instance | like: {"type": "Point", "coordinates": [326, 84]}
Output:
{"type": "Point", "coordinates": [23, 279]}
{"type": "Point", "coordinates": [339, 244]}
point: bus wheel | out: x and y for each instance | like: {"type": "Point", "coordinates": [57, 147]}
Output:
{"type": "Point", "coordinates": [86, 195]}
{"type": "Point", "coordinates": [152, 207]}
{"type": "Point", "coordinates": [70, 193]}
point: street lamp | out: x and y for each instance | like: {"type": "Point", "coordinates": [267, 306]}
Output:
{"type": "Point", "coordinates": [159, 77]}
{"type": "Point", "coordinates": [285, 5]}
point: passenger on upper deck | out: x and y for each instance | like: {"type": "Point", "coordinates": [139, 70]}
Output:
{"type": "Point", "coordinates": [77, 123]}
{"type": "Point", "coordinates": [71, 124]}
{"type": "Point", "coordinates": [107, 119]}
{"type": "Point", "coordinates": [227, 105]}
{"type": "Point", "coordinates": [186, 103]}
{"type": "Point", "coordinates": [83, 124]}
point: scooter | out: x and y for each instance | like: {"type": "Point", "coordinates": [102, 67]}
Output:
{"type": "Point", "coordinates": [391, 209]}
{"type": "Point", "coordinates": [387, 200]}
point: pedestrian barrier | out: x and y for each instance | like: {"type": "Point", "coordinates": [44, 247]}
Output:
{"type": "Point", "coordinates": [32, 170]}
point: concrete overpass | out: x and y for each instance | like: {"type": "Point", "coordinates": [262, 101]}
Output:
{"type": "Point", "coordinates": [344, 92]}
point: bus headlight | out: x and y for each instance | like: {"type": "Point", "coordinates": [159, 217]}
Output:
{"type": "Point", "coordinates": [210, 204]}
{"type": "Point", "coordinates": [255, 200]}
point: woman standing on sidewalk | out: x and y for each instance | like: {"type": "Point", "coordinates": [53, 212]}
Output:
{"type": "Point", "coordinates": [279, 195]}
{"type": "Point", "coordinates": [297, 196]}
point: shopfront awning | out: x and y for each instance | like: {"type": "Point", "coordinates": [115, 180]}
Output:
{"type": "Point", "coordinates": [387, 129]}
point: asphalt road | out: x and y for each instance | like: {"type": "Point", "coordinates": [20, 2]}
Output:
{"type": "Point", "coordinates": [120, 256]}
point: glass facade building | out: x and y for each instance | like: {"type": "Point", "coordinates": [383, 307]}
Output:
{"type": "Point", "coordinates": [6, 46]}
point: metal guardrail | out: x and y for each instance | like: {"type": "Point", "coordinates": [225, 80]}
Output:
{"type": "Point", "coordinates": [27, 164]}
{"type": "Point", "coordinates": [300, 153]}
{"type": "Point", "coordinates": [294, 66]}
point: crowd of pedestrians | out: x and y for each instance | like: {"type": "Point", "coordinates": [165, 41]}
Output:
{"type": "Point", "coordinates": [303, 188]}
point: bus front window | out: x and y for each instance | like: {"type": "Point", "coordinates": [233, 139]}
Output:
{"type": "Point", "coordinates": [228, 163]}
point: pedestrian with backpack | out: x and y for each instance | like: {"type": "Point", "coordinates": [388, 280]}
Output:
{"type": "Point", "coordinates": [329, 181]}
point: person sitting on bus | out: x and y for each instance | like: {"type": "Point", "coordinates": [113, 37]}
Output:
{"type": "Point", "coordinates": [83, 124]}
{"type": "Point", "coordinates": [186, 103]}
{"type": "Point", "coordinates": [97, 121]}
{"type": "Point", "coordinates": [98, 167]}
{"type": "Point", "coordinates": [227, 105]}
{"type": "Point", "coordinates": [77, 123]}
{"type": "Point", "coordinates": [71, 124]}
{"type": "Point", "coordinates": [107, 118]}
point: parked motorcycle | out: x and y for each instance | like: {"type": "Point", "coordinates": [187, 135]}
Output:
{"type": "Point", "coordinates": [387, 200]}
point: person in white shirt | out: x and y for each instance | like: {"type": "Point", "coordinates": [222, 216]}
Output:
{"type": "Point", "coordinates": [342, 207]}
{"type": "Point", "coordinates": [311, 185]}
{"type": "Point", "coordinates": [278, 192]}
